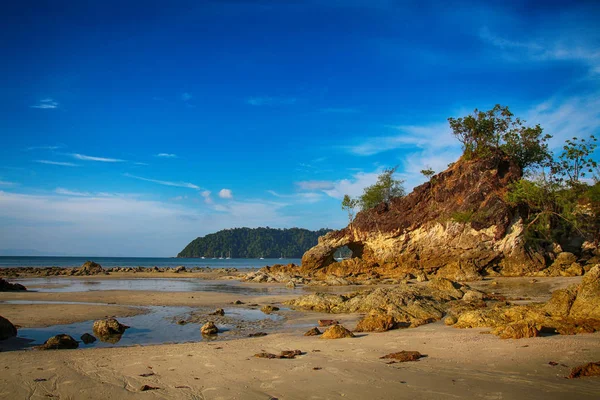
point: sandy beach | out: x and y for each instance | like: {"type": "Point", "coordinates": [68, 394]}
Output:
{"type": "Point", "coordinates": [459, 363]}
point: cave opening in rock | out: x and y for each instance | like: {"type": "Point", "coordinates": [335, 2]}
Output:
{"type": "Point", "coordinates": [351, 250]}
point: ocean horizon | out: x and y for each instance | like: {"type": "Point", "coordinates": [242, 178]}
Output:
{"type": "Point", "coordinates": [165, 262]}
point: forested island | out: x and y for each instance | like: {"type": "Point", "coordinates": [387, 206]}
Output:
{"type": "Point", "coordinates": [253, 243]}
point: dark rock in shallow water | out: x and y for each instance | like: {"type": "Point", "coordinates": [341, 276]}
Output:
{"type": "Point", "coordinates": [6, 286]}
{"type": "Point", "coordinates": [59, 342]}
{"type": "Point", "coordinates": [87, 338]}
{"type": "Point", "coordinates": [209, 328]}
{"type": "Point", "coordinates": [109, 326]}
{"type": "Point", "coordinates": [269, 309]}
{"type": "Point", "coordinates": [218, 311]}
{"type": "Point", "coordinates": [7, 329]}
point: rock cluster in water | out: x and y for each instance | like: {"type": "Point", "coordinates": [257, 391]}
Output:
{"type": "Point", "coordinates": [6, 286]}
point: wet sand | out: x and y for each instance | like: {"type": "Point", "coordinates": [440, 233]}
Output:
{"type": "Point", "coordinates": [459, 363]}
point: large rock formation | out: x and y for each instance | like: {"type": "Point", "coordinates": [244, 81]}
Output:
{"type": "Point", "coordinates": [457, 226]}
{"type": "Point", "coordinates": [7, 329]}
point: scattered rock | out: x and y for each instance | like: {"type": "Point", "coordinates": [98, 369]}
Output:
{"type": "Point", "coordinates": [148, 387]}
{"type": "Point", "coordinates": [6, 286]}
{"type": "Point", "coordinates": [109, 326]}
{"type": "Point", "coordinates": [87, 338]}
{"type": "Point", "coordinates": [40, 380]}
{"type": "Point", "coordinates": [473, 295]}
{"type": "Point", "coordinates": [181, 322]}
{"type": "Point", "coordinates": [257, 334]}
{"type": "Point", "coordinates": [313, 332]}
{"type": "Point", "coordinates": [7, 329]}
{"type": "Point", "coordinates": [238, 302]}
{"type": "Point", "coordinates": [147, 374]}
{"type": "Point", "coordinates": [589, 369]}
{"type": "Point", "coordinates": [553, 363]}
{"type": "Point", "coordinates": [337, 332]}
{"type": "Point", "coordinates": [375, 322]}
{"type": "Point", "coordinates": [209, 328]}
{"type": "Point", "coordinates": [403, 356]}
{"type": "Point", "coordinates": [327, 322]}
{"type": "Point", "coordinates": [218, 311]}
{"type": "Point", "coordinates": [59, 342]}
{"type": "Point", "coordinates": [179, 269]}
{"type": "Point", "coordinates": [289, 354]}
{"type": "Point", "coordinates": [268, 309]}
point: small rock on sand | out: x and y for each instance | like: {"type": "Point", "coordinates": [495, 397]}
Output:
{"type": "Point", "coordinates": [337, 332]}
{"type": "Point", "coordinates": [313, 332]}
{"type": "Point", "coordinates": [327, 322]}
{"type": "Point", "coordinates": [403, 356]}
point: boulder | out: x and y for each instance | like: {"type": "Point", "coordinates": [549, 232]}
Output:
{"type": "Point", "coordinates": [209, 328]}
{"type": "Point", "coordinates": [403, 356]}
{"type": "Point", "coordinates": [473, 296]}
{"type": "Point", "coordinates": [179, 269]}
{"type": "Point", "coordinates": [337, 332]}
{"type": "Point", "coordinates": [517, 330]}
{"type": "Point", "coordinates": [6, 286]}
{"type": "Point", "coordinates": [109, 326]}
{"type": "Point", "coordinates": [59, 342]}
{"type": "Point", "coordinates": [218, 311]}
{"type": "Point", "coordinates": [87, 338]}
{"type": "Point", "coordinates": [587, 302]}
{"type": "Point", "coordinates": [450, 320]}
{"type": "Point", "coordinates": [375, 322]}
{"type": "Point", "coordinates": [7, 329]}
{"type": "Point", "coordinates": [313, 332]}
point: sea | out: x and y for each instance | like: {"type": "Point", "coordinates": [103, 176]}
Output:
{"type": "Point", "coordinates": [168, 262]}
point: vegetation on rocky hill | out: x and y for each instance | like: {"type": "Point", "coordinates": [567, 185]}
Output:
{"type": "Point", "coordinates": [254, 243]}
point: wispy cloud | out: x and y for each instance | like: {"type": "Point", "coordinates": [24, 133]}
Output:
{"type": "Point", "coordinates": [68, 192]}
{"type": "Point", "coordinates": [185, 96]}
{"type": "Point", "coordinates": [47, 104]}
{"type": "Point", "coordinates": [225, 194]}
{"type": "Point", "coordinates": [165, 183]}
{"type": "Point", "coordinates": [7, 183]}
{"type": "Point", "coordinates": [61, 163]}
{"type": "Point", "coordinates": [270, 101]}
{"type": "Point", "coordinates": [315, 185]}
{"type": "Point", "coordinates": [166, 155]}
{"type": "Point", "coordinates": [562, 45]}
{"type": "Point", "coordinates": [93, 158]}
{"type": "Point", "coordinates": [32, 148]}
{"type": "Point", "coordinates": [309, 197]}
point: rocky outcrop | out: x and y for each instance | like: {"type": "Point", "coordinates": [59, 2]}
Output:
{"type": "Point", "coordinates": [456, 226]}
{"type": "Point", "coordinates": [589, 369]}
{"type": "Point", "coordinates": [375, 322]}
{"type": "Point", "coordinates": [6, 286]}
{"type": "Point", "coordinates": [88, 268]}
{"type": "Point", "coordinates": [7, 329]}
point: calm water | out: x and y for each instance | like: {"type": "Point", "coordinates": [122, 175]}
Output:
{"type": "Point", "coordinates": [106, 262]}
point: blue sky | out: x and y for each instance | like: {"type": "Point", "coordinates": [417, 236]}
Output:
{"type": "Point", "coordinates": [130, 128]}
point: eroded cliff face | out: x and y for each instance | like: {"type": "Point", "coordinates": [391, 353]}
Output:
{"type": "Point", "coordinates": [456, 226]}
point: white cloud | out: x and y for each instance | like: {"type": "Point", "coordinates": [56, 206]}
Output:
{"type": "Point", "coordinates": [90, 225]}
{"type": "Point", "coordinates": [225, 194]}
{"type": "Point", "coordinates": [270, 101]}
{"type": "Point", "coordinates": [68, 192]}
{"type": "Point", "coordinates": [166, 155]}
{"type": "Point", "coordinates": [31, 148]}
{"type": "Point", "coordinates": [353, 187]}
{"type": "Point", "coordinates": [7, 183]}
{"type": "Point", "coordinates": [92, 158]}
{"type": "Point", "coordinates": [61, 163]}
{"type": "Point", "coordinates": [47, 104]}
{"type": "Point", "coordinates": [207, 198]}
{"type": "Point", "coordinates": [186, 96]}
{"type": "Point", "coordinates": [165, 183]}
{"type": "Point", "coordinates": [315, 185]}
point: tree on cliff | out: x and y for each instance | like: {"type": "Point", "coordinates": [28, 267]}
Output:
{"type": "Point", "coordinates": [485, 131]}
{"type": "Point", "coordinates": [385, 189]}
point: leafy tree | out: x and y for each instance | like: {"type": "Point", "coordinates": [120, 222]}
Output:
{"type": "Point", "coordinates": [349, 204]}
{"type": "Point", "coordinates": [383, 190]}
{"type": "Point", "coordinates": [485, 131]}
{"type": "Point", "coordinates": [427, 173]}
{"type": "Point", "coordinates": [575, 161]}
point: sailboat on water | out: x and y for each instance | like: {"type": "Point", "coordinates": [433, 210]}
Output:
{"type": "Point", "coordinates": [229, 255]}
